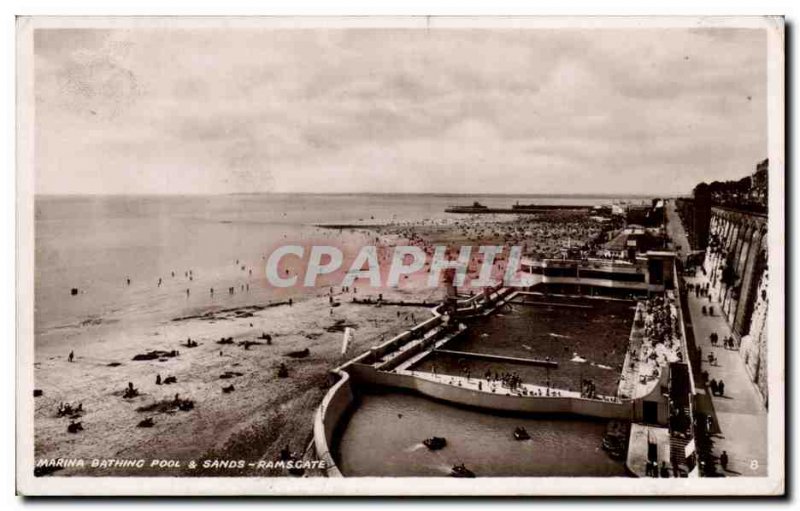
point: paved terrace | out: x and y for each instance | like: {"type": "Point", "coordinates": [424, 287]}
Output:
{"type": "Point", "coordinates": [740, 417]}
{"type": "Point", "coordinates": [496, 387]}
{"type": "Point", "coordinates": [644, 361]}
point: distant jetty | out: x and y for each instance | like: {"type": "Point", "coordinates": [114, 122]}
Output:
{"type": "Point", "coordinates": [516, 209]}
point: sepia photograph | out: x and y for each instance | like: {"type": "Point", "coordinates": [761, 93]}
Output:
{"type": "Point", "coordinates": [380, 256]}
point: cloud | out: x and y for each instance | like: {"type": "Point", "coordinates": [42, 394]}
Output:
{"type": "Point", "coordinates": [445, 110]}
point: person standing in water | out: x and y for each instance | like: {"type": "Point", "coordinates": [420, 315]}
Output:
{"type": "Point", "coordinates": [71, 356]}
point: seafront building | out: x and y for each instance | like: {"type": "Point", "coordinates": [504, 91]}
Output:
{"type": "Point", "coordinates": [729, 224]}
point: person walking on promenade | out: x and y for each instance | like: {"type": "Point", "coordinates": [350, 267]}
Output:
{"type": "Point", "coordinates": [721, 388]}
{"type": "Point", "coordinates": [723, 460]}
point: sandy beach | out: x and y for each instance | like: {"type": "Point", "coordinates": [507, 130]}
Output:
{"type": "Point", "coordinates": [262, 413]}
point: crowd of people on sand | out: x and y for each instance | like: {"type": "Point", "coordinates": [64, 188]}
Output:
{"type": "Point", "coordinates": [68, 410]}
{"type": "Point", "coordinates": [131, 391]}
{"type": "Point", "coordinates": [549, 235]}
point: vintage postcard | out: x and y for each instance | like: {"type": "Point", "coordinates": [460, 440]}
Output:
{"type": "Point", "coordinates": [400, 256]}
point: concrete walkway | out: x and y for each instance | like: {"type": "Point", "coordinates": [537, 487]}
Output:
{"type": "Point", "coordinates": [740, 418]}
{"type": "Point", "coordinates": [495, 387]}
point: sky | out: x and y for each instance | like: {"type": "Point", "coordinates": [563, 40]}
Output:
{"type": "Point", "coordinates": [506, 111]}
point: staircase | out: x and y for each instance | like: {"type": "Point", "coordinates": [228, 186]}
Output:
{"type": "Point", "coordinates": [677, 452]}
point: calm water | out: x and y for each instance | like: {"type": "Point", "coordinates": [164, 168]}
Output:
{"type": "Point", "coordinates": [384, 438]}
{"type": "Point", "coordinates": [94, 243]}
{"type": "Point", "coordinates": [597, 332]}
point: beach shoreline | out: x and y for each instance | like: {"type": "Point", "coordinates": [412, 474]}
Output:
{"type": "Point", "coordinates": [262, 413]}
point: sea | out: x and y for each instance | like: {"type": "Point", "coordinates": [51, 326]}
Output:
{"type": "Point", "coordinates": [94, 244]}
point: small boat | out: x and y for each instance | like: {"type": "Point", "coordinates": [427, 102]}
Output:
{"type": "Point", "coordinates": [616, 454]}
{"type": "Point", "coordinates": [615, 440]}
{"type": "Point", "coordinates": [461, 471]}
{"type": "Point", "coordinates": [614, 446]}
{"type": "Point", "coordinates": [521, 434]}
{"type": "Point", "coordinates": [435, 443]}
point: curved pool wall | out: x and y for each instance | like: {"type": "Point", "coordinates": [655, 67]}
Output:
{"type": "Point", "coordinates": [340, 397]}
{"type": "Point", "coordinates": [367, 375]}
{"type": "Point", "coordinates": [336, 403]}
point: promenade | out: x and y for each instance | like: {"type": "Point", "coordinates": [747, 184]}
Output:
{"type": "Point", "coordinates": [739, 417]}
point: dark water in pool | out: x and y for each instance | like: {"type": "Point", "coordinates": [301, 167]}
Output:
{"type": "Point", "coordinates": [384, 438]}
{"type": "Point", "coordinates": [596, 331]}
